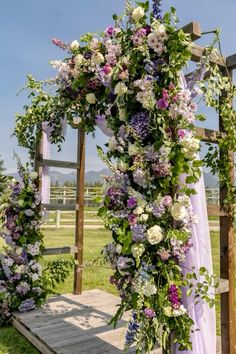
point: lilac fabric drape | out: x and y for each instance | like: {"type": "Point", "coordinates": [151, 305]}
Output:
{"type": "Point", "coordinates": [204, 339]}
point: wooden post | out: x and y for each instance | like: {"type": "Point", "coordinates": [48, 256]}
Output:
{"type": "Point", "coordinates": [227, 264]}
{"type": "Point", "coordinates": [79, 227]}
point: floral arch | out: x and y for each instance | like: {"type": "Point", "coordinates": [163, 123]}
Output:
{"type": "Point", "coordinates": [129, 82]}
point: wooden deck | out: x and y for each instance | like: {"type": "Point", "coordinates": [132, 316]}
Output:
{"type": "Point", "coordinates": [74, 324]}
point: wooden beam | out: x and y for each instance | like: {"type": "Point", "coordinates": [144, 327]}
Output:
{"type": "Point", "coordinates": [60, 206]}
{"type": "Point", "coordinates": [194, 29]}
{"type": "Point", "coordinates": [58, 163]}
{"type": "Point", "coordinates": [197, 53]}
{"type": "Point", "coordinates": [79, 224]}
{"type": "Point", "coordinates": [231, 62]}
{"type": "Point", "coordinates": [61, 250]}
{"type": "Point", "coordinates": [223, 286]}
{"type": "Point", "coordinates": [227, 256]}
{"type": "Point", "coordinates": [209, 135]}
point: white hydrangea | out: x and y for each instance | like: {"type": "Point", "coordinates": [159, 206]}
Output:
{"type": "Point", "coordinates": [178, 211]}
{"type": "Point", "coordinates": [155, 235]}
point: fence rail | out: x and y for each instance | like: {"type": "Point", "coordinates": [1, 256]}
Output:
{"type": "Point", "coordinates": [67, 195]}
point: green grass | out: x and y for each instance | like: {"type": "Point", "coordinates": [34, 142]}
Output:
{"type": "Point", "coordinates": [93, 277]}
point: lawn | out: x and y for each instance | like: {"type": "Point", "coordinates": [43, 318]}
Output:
{"type": "Point", "coordinates": [93, 277]}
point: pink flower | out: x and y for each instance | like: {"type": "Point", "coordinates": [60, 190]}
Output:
{"type": "Point", "coordinates": [132, 219]}
{"type": "Point", "coordinates": [171, 86]}
{"type": "Point", "coordinates": [165, 94]}
{"type": "Point", "coordinates": [167, 201]}
{"type": "Point", "coordinates": [107, 69]}
{"type": "Point", "coordinates": [109, 31]}
{"type": "Point", "coordinates": [181, 134]}
{"type": "Point", "coordinates": [164, 255]}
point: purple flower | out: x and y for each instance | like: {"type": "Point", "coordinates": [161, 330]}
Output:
{"type": "Point", "coordinates": [140, 124]}
{"type": "Point", "coordinates": [140, 178]}
{"type": "Point", "coordinates": [158, 210]}
{"type": "Point", "coordinates": [139, 233]}
{"type": "Point", "coordinates": [22, 288]}
{"type": "Point", "coordinates": [29, 212]}
{"type": "Point", "coordinates": [109, 30]}
{"type": "Point", "coordinates": [174, 296]}
{"type": "Point", "coordinates": [132, 219]}
{"type": "Point", "coordinates": [162, 103]}
{"type": "Point", "coordinates": [157, 9]}
{"type": "Point", "coordinates": [27, 305]}
{"type": "Point", "coordinates": [161, 169]}
{"type": "Point", "coordinates": [167, 201]}
{"type": "Point", "coordinates": [124, 263]}
{"type": "Point", "coordinates": [131, 202]}
{"type": "Point", "coordinates": [116, 196]}
{"type": "Point", "coordinates": [131, 333]}
{"type": "Point", "coordinates": [149, 312]}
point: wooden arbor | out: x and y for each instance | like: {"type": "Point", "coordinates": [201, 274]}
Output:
{"type": "Point", "coordinates": [227, 289]}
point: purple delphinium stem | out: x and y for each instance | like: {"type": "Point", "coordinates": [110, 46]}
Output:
{"type": "Point", "coordinates": [157, 9]}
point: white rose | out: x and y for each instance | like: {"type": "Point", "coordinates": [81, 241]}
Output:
{"type": "Point", "coordinates": [138, 211]}
{"type": "Point", "coordinates": [33, 175]}
{"type": "Point", "coordinates": [122, 166]}
{"type": "Point", "coordinates": [138, 13]}
{"type": "Point", "coordinates": [144, 217]}
{"type": "Point", "coordinates": [137, 250]}
{"type": "Point", "coordinates": [74, 45]}
{"type": "Point", "coordinates": [133, 149]}
{"type": "Point", "coordinates": [91, 98]}
{"type": "Point", "coordinates": [178, 211]}
{"type": "Point", "coordinates": [97, 58]}
{"type": "Point", "coordinates": [112, 144]}
{"type": "Point", "coordinates": [155, 235]}
{"type": "Point", "coordinates": [77, 120]}
{"type": "Point", "coordinates": [121, 89]}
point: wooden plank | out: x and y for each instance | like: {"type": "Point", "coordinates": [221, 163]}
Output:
{"type": "Point", "coordinates": [209, 135]}
{"type": "Point", "coordinates": [60, 206]}
{"type": "Point", "coordinates": [231, 62]}
{"type": "Point", "coordinates": [79, 224]}
{"type": "Point", "coordinates": [214, 210]}
{"type": "Point", "coordinates": [42, 347]}
{"type": "Point", "coordinates": [58, 163]}
{"type": "Point", "coordinates": [197, 53]}
{"type": "Point", "coordinates": [59, 250]}
{"type": "Point", "coordinates": [194, 29]}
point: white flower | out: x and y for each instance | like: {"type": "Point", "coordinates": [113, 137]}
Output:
{"type": "Point", "coordinates": [121, 89]}
{"type": "Point", "coordinates": [33, 175]}
{"type": "Point", "coordinates": [178, 211]}
{"type": "Point", "coordinates": [119, 248]}
{"type": "Point", "coordinates": [34, 276]}
{"type": "Point", "coordinates": [91, 98]}
{"type": "Point", "coordinates": [138, 211]}
{"type": "Point", "coordinates": [180, 311]}
{"type": "Point", "coordinates": [77, 120]}
{"type": "Point", "coordinates": [149, 289]}
{"type": "Point", "coordinates": [112, 144]}
{"type": "Point", "coordinates": [144, 217]}
{"type": "Point", "coordinates": [138, 13]}
{"type": "Point", "coordinates": [190, 146]}
{"type": "Point", "coordinates": [122, 165]}
{"type": "Point", "coordinates": [74, 45]}
{"type": "Point", "coordinates": [155, 235]}
{"type": "Point", "coordinates": [122, 114]}
{"type": "Point", "coordinates": [167, 311]}
{"type": "Point", "coordinates": [137, 250]}
{"type": "Point", "coordinates": [97, 58]}
{"type": "Point", "coordinates": [133, 149]}
{"type": "Point", "coordinates": [79, 59]}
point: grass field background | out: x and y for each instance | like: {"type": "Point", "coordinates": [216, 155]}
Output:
{"type": "Point", "coordinates": [93, 277]}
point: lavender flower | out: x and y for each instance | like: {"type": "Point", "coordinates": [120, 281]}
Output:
{"type": "Point", "coordinates": [27, 305]}
{"type": "Point", "coordinates": [138, 233]}
{"type": "Point", "coordinates": [140, 122]}
{"type": "Point", "coordinates": [124, 263]}
{"type": "Point", "coordinates": [131, 202]}
{"type": "Point", "coordinates": [161, 169]}
{"type": "Point", "coordinates": [22, 288]}
{"type": "Point", "coordinates": [158, 210]}
{"type": "Point", "coordinates": [157, 9]}
{"type": "Point", "coordinates": [140, 177]}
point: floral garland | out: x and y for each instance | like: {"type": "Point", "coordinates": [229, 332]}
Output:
{"type": "Point", "coordinates": [20, 272]}
{"type": "Point", "coordinates": [127, 81]}
{"type": "Point", "coordinates": [24, 284]}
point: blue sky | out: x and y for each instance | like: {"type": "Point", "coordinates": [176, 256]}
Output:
{"type": "Point", "coordinates": [26, 30]}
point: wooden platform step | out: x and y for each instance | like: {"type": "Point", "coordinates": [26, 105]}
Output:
{"type": "Point", "coordinates": [70, 324]}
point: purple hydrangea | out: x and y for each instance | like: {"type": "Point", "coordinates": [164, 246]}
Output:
{"type": "Point", "coordinates": [27, 305]}
{"type": "Point", "coordinates": [149, 312]}
{"type": "Point", "coordinates": [161, 169]}
{"type": "Point", "coordinates": [22, 288]}
{"type": "Point", "coordinates": [116, 198]}
{"type": "Point", "coordinates": [138, 233]}
{"type": "Point", "coordinates": [140, 124]}
{"type": "Point", "coordinates": [124, 263]}
{"type": "Point", "coordinates": [131, 202]}
{"type": "Point", "coordinates": [140, 178]}
{"type": "Point", "coordinates": [158, 210]}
